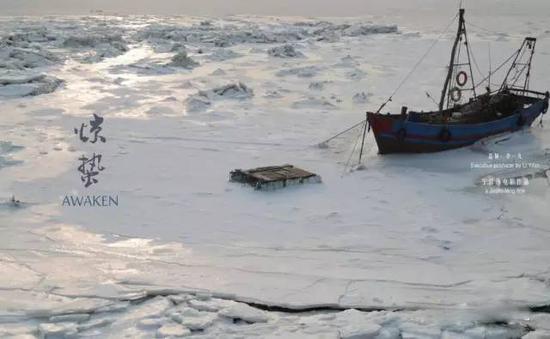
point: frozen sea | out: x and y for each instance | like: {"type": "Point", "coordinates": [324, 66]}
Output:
{"type": "Point", "coordinates": [411, 246]}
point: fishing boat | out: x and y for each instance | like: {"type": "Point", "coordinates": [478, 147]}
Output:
{"type": "Point", "coordinates": [464, 116]}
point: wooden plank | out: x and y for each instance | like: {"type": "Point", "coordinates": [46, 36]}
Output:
{"type": "Point", "coordinates": [273, 175]}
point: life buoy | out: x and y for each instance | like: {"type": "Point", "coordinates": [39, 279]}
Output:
{"type": "Point", "coordinates": [445, 135]}
{"type": "Point", "coordinates": [456, 94]}
{"type": "Point", "coordinates": [401, 134]}
{"type": "Point", "coordinates": [461, 78]}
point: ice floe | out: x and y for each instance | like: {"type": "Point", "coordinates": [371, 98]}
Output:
{"type": "Point", "coordinates": [28, 86]}
{"type": "Point", "coordinates": [203, 99]}
{"type": "Point", "coordinates": [95, 48]}
{"type": "Point", "coordinates": [301, 72]}
{"type": "Point", "coordinates": [243, 32]}
{"type": "Point", "coordinates": [355, 74]}
{"type": "Point", "coordinates": [158, 317]}
{"type": "Point", "coordinates": [313, 102]}
{"type": "Point", "coordinates": [285, 51]}
{"type": "Point", "coordinates": [240, 311]}
{"type": "Point", "coordinates": [17, 58]}
{"type": "Point", "coordinates": [172, 331]}
{"type": "Point", "coordinates": [360, 98]}
{"type": "Point", "coordinates": [218, 72]}
{"type": "Point", "coordinates": [197, 103]}
{"type": "Point", "coordinates": [223, 54]}
{"type": "Point", "coordinates": [193, 318]}
{"type": "Point", "coordinates": [318, 85]}
{"type": "Point", "coordinates": [182, 60]}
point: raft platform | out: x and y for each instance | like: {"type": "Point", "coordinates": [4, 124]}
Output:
{"type": "Point", "coordinates": [273, 177]}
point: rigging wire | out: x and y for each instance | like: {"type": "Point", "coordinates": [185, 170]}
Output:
{"type": "Point", "coordinates": [518, 72]}
{"type": "Point", "coordinates": [491, 73]}
{"type": "Point", "coordinates": [431, 98]}
{"type": "Point", "coordinates": [354, 147]}
{"type": "Point", "coordinates": [490, 67]}
{"type": "Point", "coordinates": [497, 69]}
{"type": "Point", "coordinates": [483, 29]}
{"type": "Point", "coordinates": [417, 64]}
{"type": "Point", "coordinates": [475, 63]}
{"type": "Point", "coordinates": [518, 75]}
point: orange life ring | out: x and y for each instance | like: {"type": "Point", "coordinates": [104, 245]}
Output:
{"type": "Point", "coordinates": [461, 78]}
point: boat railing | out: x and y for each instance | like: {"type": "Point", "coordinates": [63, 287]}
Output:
{"type": "Point", "coordinates": [522, 91]}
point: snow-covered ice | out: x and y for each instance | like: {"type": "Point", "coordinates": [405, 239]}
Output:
{"type": "Point", "coordinates": [28, 86]}
{"type": "Point", "coordinates": [285, 51]}
{"type": "Point", "coordinates": [360, 98]}
{"type": "Point", "coordinates": [204, 98]}
{"type": "Point", "coordinates": [408, 247]}
{"type": "Point", "coordinates": [181, 59]}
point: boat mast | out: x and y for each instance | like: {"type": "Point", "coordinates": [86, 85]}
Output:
{"type": "Point", "coordinates": [468, 52]}
{"type": "Point", "coordinates": [452, 64]}
{"type": "Point", "coordinates": [533, 42]}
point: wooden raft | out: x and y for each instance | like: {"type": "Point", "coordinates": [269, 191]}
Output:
{"type": "Point", "coordinates": [273, 177]}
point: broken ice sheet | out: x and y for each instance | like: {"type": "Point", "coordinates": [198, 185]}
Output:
{"type": "Point", "coordinates": [205, 98]}
{"type": "Point", "coordinates": [13, 87]}
{"type": "Point", "coordinates": [215, 268]}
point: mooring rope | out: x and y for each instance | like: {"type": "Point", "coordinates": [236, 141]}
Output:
{"type": "Point", "coordinates": [341, 133]}
{"type": "Point", "coordinates": [353, 150]}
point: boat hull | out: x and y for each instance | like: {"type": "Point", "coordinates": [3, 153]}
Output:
{"type": "Point", "coordinates": [397, 134]}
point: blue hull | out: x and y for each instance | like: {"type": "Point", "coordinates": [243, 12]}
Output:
{"type": "Point", "coordinates": [402, 134]}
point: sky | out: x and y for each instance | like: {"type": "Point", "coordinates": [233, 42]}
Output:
{"type": "Point", "coordinates": [268, 7]}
